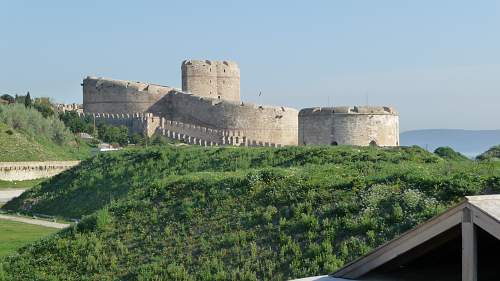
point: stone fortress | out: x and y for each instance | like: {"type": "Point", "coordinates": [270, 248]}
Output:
{"type": "Point", "coordinates": [208, 111]}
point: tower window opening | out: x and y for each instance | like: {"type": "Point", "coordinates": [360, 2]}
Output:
{"type": "Point", "coordinates": [334, 143]}
{"type": "Point", "coordinates": [373, 143]}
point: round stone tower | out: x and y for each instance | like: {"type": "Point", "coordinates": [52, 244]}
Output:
{"type": "Point", "coordinates": [228, 80]}
{"type": "Point", "coordinates": [357, 125]}
{"type": "Point", "coordinates": [215, 79]}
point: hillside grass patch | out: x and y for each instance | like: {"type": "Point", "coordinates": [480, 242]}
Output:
{"type": "Point", "coordinates": [14, 235]}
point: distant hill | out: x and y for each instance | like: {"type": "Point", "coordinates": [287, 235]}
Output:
{"type": "Point", "coordinates": [467, 142]}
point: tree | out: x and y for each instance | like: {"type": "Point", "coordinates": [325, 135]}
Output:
{"type": "Point", "coordinates": [27, 100]}
{"type": "Point", "coordinates": [19, 99]}
{"type": "Point", "coordinates": [113, 134]}
{"type": "Point", "coordinates": [136, 139]}
{"type": "Point", "coordinates": [8, 98]}
{"type": "Point", "coordinates": [76, 124]}
{"type": "Point", "coordinates": [44, 106]}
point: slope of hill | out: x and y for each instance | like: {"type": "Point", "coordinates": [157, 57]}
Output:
{"type": "Point", "coordinates": [99, 180]}
{"type": "Point", "coordinates": [492, 154]}
{"type": "Point", "coordinates": [17, 146]}
{"type": "Point", "coordinates": [236, 214]}
{"type": "Point", "coordinates": [27, 135]}
{"type": "Point", "coordinates": [468, 142]}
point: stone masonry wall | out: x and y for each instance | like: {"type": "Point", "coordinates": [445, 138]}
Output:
{"type": "Point", "coordinates": [214, 79]}
{"type": "Point", "coordinates": [360, 126]}
{"type": "Point", "coordinates": [138, 123]}
{"type": "Point", "coordinates": [119, 96]}
{"type": "Point", "coordinates": [189, 133]}
{"type": "Point", "coordinates": [261, 123]}
{"type": "Point", "coordinates": [15, 171]}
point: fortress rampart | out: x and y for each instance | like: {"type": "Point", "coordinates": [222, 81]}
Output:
{"type": "Point", "coordinates": [263, 123]}
{"type": "Point", "coordinates": [214, 79]}
{"type": "Point", "coordinates": [148, 124]}
{"type": "Point", "coordinates": [138, 123]}
{"type": "Point", "coordinates": [358, 125]}
{"type": "Point", "coordinates": [119, 96]}
{"type": "Point", "coordinates": [16, 171]}
{"type": "Point", "coordinates": [209, 110]}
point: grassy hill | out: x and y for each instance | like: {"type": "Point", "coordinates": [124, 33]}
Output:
{"type": "Point", "coordinates": [492, 154]}
{"type": "Point", "coordinates": [27, 135]}
{"type": "Point", "coordinates": [14, 235]}
{"type": "Point", "coordinates": [236, 213]}
{"type": "Point", "coordinates": [17, 146]}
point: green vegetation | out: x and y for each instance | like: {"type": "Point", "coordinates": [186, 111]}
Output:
{"type": "Point", "coordinates": [76, 124]}
{"type": "Point", "coordinates": [18, 146]}
{"type": "Point", "coordinates": [14, 235]}
{"type": "Point", "coordinates": [25, 135]}
{"type": "Point", "coordinates": [492, 154]}
{"type": "Point", "coordinates": [118, 135]}
{"type": "Point", "coordinates": [450, 154]}
{"type": "Point", "coordinates": [8, 98]}
{"type": "Point", "coordinates": [44, 106]}
{"type": "Point", "coordinates": [113, 134]}
{"type": "Point", "coordinates": [193, 213]}
{"type": "Point", "coordinates": [20, 184]}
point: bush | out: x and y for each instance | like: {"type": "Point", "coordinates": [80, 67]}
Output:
{"type": "Point", "coordinates": [77, 124]}
{"type": "Point", "coordinates": [44, 106]}
{"type": "Point", "coordinates": [113, 134]}
{"type": "Point", "coordinates": [136, 139]}
{"type": "Point", "coordinates": [492, 154]}
{"type": "Point", "coordinates": [450, 154]}
{"type": "Point", "coordinates": [8, 98]}
{"type": "Point", "coordinates": [32, 123]}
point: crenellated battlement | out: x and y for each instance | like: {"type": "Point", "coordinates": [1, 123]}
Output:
{"type": "Point", "coordinates": [209, 109]}
{"type": "Point", "coordinates": [349, 125]}
{"type": "Point", "coordinates": [148, 124]}
{"type": "Point", "coordinates": [371, 110]}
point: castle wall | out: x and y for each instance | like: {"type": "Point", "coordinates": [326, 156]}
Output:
{"type": "Point", "coordinates": [145, 124]}
{"type": "Point", "coordinates": [16, 171]}
{"type": "Point", "coordinates": [214, 79]}
{"type": "Point", "coordinates": [316, 126]}
{"type": "Point", "coordinates": [118, 96]}
{"type": "Point", "coordinates": [116, 101]}
{"type": "Point", "coordinates": [267, 124]}
{"type": "Point", "coordinates": [360, 126]}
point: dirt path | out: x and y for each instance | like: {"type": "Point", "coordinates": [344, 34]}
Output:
{"type": "Point", "coordinates": [33, 221]}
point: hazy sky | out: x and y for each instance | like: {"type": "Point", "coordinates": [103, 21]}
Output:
{"type": "Point", "coordinates": [436, 61]}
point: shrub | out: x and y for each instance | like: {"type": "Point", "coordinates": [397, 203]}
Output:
{"type": "Point", "coordinates": [77, 124]}
{"type": "Point", "coordinates": [492, 154]}
{"type": "Point", "coordinates": [113, 134]}
{"type": "Point", "coordinates": [32, 123]}
{"type": "Point", "coordinates": [450, 154]}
